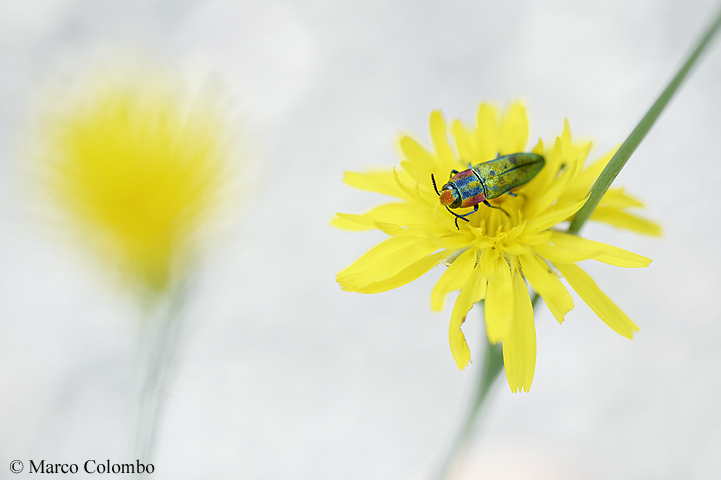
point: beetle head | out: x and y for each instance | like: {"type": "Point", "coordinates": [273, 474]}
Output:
{"type": "Point", "coordinates": [450, 196]}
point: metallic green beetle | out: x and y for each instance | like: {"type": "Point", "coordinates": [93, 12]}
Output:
{"type": "Point", "coordinates": [488, 180]}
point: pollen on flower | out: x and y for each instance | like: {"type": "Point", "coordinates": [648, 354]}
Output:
{"type": "Point", "coordinates": [137, 172]}
{"type": "Point", "coordinates": [497, 253]}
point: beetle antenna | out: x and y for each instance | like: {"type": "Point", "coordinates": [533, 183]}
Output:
{"type": "Point", "coordinates": [434, 185]}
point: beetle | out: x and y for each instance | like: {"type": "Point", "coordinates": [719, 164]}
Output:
{"type": "Point", "coordinates": [486, 181]}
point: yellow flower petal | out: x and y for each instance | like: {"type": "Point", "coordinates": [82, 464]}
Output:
{"type": "Point", "coordinates": [543, 200]}
{"type": "Point", "coordinates": [397, 213]}
{"type": "Point", "coordinates": [571, 249]}
{"type": "Point", "coordinates": [513, 130]}
{"type": "Point", "coordinates": [440, 142]}
{"type": "Point", "coordinates": [412, 188]}
{"type": "Point", "coordinates": [416, 154]}
{"type": "Point", "coordinates": [455, 276]}
{"type": "Point", "coordinates": [471, 293]}
{"type": "Point", "coordinates": [552, 217]}
{"type": "Point", "coordinates": [603, 306]}
{"type": "Point", "coordinates": [380, 181]}
{"type": "Point", "coordinates": [405, 276]}
{"type": "Point", "coordinates": [582, 184]}
{"type": "Point", "coordinates": [519, 345]}
{"type": "Point", "coordinates": [465, 144]}
{"type": "Point", "coordinates": [619, 198]}
{"type": "Point", "coordinates": [486, 132]}
{"type": "Point", "coordinates": [351, 222]}
{"type": "Point", "coordinates": [424, 230]}
{"type": "Point", "coordinates": [383, 250]}
{"type": "Point", "coordinates": [627, 221]}
{"type": "Point", "coordinates": [389, 266]}
{"type": "Point", "coordinates": [547, 285]}
{"type": "Point", "coordinates": [499, 304]}
{"type": "Point", "coordinates": [420, 163]}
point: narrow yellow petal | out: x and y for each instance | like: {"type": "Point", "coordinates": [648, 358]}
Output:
{"type": "Point", "coordinates": [417, 172]}
{"type": "Point", "coordinates": [597, 251]}
{"type": "Point", "coordinates": [553, 217]}
{"type": "Point", "coordinates": [585, 180]}
{"type": "Point", "coordinates": [386, 248]}
{"type": "Point", "coordinates": [459, 346]}
{"type": "Point", "coordinates": [513, 129]}
{"type": "Point", "coordinates": [420, 163]}
{"type": "Point", "coordinates": [519, 345]}
{"type": "Point", "coordinates": [351, 222]}
{"type": "Point", "coordinates": [547, 285]}
{"type": "Point", "coordinates": [538, 149]}
{"type": "Point", "coordinates": [424, 230]}
{"type": "Point", "coordinates": [470, 294]}
{"type": "Point", "coordinates": [541, 202]}
{"type": "Point", "coordinates": [626, 221]}
{"type": "Point", "coordinates": [389, 266]}
{"type": "Point", "coordinates": [570, 151]}
{"type": "Point", "coordinates": [603, 306]}
{"type": "Point", "coordinates": [455, 276]}
{"type": "Point", "coordinates": [558, 255]}
{"type": "Point", "coordinates": [412, 188]}
{"type": "Point", "coordinates": [619, 198]}
{"type": "Point", "coordinates": [499, 304]}
{"type": "Point", "coordinates": [380, 181]}
{"type": "Point", "coordinates": [417, 154]}
{"type": "Point", "coordinates": [440, 141]}
{"type": "Point", "coordinates": [400, 213]}
{"type": "Point", "coordinates": [486, 132]}
{"type": "Point", "coordinates": [465, 144]}
{"type": "Point", "coordinates": [405, 276]}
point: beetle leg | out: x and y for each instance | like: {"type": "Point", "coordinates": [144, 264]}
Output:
{"type": "Point", "coordinates": [512, 194]}
{"type": "Point", "coordinates": [462, 217]}
{"type": "Point", "coordinates": [497, 208]}
{"type": "Point", "coordinates": [453, 172]}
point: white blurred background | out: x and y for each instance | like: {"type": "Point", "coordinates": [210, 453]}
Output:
{"type": "Point", "coordinates": [284, 376]}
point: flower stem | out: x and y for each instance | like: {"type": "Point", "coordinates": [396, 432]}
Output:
{"type": "Point", "coordinates": [622, 155]}
{"type": "Point", "coordinates": [489, 372]}
{"type": "Point", "coordinates": [156, 354]}
{"type": "Point", "coordinates": [493, 359]}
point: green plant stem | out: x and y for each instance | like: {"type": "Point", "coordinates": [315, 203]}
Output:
{"type": "Point", "coordinates": [489, 372]}
{"type": "Point", "coordinates": [624, 152]}
{"type": "Point", "coordinates": [493, 359]}
{"type": "Point", "coordinates": [156, 355]}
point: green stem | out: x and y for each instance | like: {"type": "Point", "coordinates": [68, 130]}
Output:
{"type": "Point", "coordinates": [157, 352]}
{"type": "Point", "coordinates": [492, 367]}
{"type": "Point", "coordinates": [493, 359]}
{"type": "Point", "coordinates": [622, 155]}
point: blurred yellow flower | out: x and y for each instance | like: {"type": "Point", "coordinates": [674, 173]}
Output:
{"type": "Point", "coordinates": [138, 170]}
{"type": "Point", "coordinates": [492, 256]}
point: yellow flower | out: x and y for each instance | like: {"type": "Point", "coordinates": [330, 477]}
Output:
{"type": "Point", "coordinates": [493, 256]}
{"type": "Point", "coordinates": [137, 170]}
